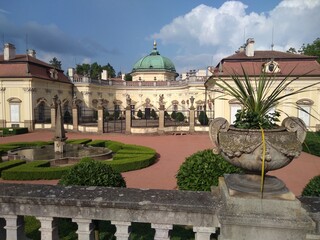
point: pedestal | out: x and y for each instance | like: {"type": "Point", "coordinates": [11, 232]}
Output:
{"type": "Point", "coordinates": [247, 217]}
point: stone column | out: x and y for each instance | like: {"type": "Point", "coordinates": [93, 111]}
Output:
{"type": "Point", "coordinates": [14, 227]}
{"type": "Point", "coordinates": [75, 118]}
{"type": "Point", "coordinates": [203, 233]}
{"type": "Point", "coordinates": [49, 228]}
{"type": "Point", "coordinates": [128, 120]}
{"type": "Point", "coordinates": [85, 229]}
{"type": "Point", "coordinates": [100, 120]}
{"type": "Point", "coordinates": [53, 117]}
{"type": "Point", "coordinates": [162, 231]}
{"type": "Point", "coordinates": [161, 120]}
{"type": "Point", "coordinates": [29, 124]}
{"type": "Point", "coordinates": [191, 119]}
{"type": "Point", "coordinates": [122, 232]}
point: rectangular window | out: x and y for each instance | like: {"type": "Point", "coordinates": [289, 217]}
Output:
{"type": "Point", "coordinates": [233, 111]}
{"type": "Point", "coordinates": [304, 115]}
{"type": "Point", "coordinates": [15, 112]}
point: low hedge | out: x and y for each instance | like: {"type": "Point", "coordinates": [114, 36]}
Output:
{"type": "Point", "coordinates": [14, 131]}
{"type": "Point", "coordinates": [312, 143]}
{"type": "Point", "coordinates": [79, 141]}
{"type": "Point", "coordinates": [10, 164]}
{"type": "Point", "coordinates": [114, 146]}
{"type": "Point", "coordinates": [312, 188]}
{"type": "Point", "coordinates": [132, 163]}
{"type": "Point", "coordinates": [34, 170]}
{"type": "Point", "coordinates": [127, 157]}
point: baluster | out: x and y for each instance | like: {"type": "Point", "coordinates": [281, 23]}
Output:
{"type": "Point", "coordinates": [203, 233]}
{"type": "Point", "coordinates": [49, 228]}
{"type": "Point", "coordinates": [85, 229]}
{"type": "Point", "coordinates": [123, 232]}
{"type": "Point", "coordinates": [14, 227]}
{"type": "Point", "coordinates": [162, 231]}
{"type": "Point", "coordinates": [2, 230]}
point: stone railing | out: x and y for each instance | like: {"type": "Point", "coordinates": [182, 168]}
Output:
{"type": "Point", "coordinates": [121, 206]}
{"type": "Point", "coordinates": [236, 217]}
{"type": "Point", "coordinates": [147, 84]}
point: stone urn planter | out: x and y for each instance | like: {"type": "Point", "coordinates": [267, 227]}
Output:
{"type": "Point", "coordinates": [244, 147]}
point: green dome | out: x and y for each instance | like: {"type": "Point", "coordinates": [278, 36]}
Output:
{"type": "Point", "coordinates": [154, 62]}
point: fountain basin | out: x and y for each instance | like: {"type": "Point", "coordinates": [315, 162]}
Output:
{"type": "Point", "coordinates": [73, 153]}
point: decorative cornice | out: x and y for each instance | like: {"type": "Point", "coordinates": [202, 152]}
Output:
{"type": "Point", "coordinates": [86, 93]}
{"type": "Point", "coordinates": [29, 89]}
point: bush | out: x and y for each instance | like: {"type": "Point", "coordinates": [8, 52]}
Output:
{"type": "Point", "coordinates": [34, 170]}
{"type": "Point", "coordinates": [132, 162]}
{"type": "Point", "coordinates": [203, 119]}
{"type": "Point", "coordinates": [312, 188]}
{"type": "Point", "coordinates": [140, 114]}
{"type": "Point", "coordinates": [312, 143]}
{"type": "Point", "coordinates": [78, 141]}
{"type": "Point", "coordinates": [10, 164]}
{"type": "Point", "coordinates": [202, 170]}
{"type": "Point", "coordinates": [174, 115]}
{"type": "Point", "coordinates": [179, 117]}
{"type": "Point", "coordinates": [92, 173]}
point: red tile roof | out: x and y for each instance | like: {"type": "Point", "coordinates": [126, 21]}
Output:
{"type": "Point", "coordinates": [23, 66]}
{"type": "Point", "coordinates": [289, 63]}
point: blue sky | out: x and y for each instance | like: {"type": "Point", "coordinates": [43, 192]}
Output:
{"type": "Point", "coordinates": [192, 33]}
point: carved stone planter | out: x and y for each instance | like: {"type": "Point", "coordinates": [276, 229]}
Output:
{"type": "Point", "coordinates": [244, 147]}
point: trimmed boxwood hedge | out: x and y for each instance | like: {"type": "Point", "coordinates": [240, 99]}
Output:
{"type": "Point", "coordinates": [10, 164]}
{"type": "Point", "coordinates": [126, 157]}
{"type": "Point", "coordinates": [312, 188]}
{"type": "Point", "coordinates": [14, 131]}
{"type": "Point", "coordinates": [34, 170]}
{"type": "Point", "coordinates": [312, 143]}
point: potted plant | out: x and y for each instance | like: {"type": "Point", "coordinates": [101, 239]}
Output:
{"type": "Point", "coordinates": [255, 142]}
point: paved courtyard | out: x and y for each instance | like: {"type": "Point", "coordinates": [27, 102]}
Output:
{"type": "Point", "coordinates": [172, 150]}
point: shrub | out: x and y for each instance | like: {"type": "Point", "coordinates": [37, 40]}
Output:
{"type": "Point", "coordinates": [10, 164]}
{"type": "Point", "coordinates": [78, 141]}
{"type": "Point", "coordinates": [140, 114]}
{"type": "Point", "coordinates": [312, 188]}
{"type": "Point", "coordinates": [179, 117]}
{"type": "Point", "coordinates": [132, 162]}
{"type": "Point", "coordinates": [34, 170]}
{"type": "Point", "coordinates": [174, 115]}
{"type": "Point", "coordinates": [202, 170]}
{"type": "Point", "coordinates": [92, 173]}
{"type": "Point", "coordinates": [14, 131]}
{"type": "Point", "coordinates": [312, 143]}
{"type": "Point", "coordinates": [153, 114]}
{"type": "Point", "coordinates": [203, 119]}
{"type": "Point", "coordinates": [114, 146]}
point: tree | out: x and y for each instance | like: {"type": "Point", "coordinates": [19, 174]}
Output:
{"type": "Point", "coordinates": [83, 69]}
{"type": "Point", "coordinates": [312, 49]}
{"type": "Point", "coordinates": [55, 63]}
{"type": "Point", "coordinates": [292, 50]}
{"type": "Point", "coordinates": [94, 70]}
{"type": "Point", "coordinates": [110, 70]}
{"type": "Point", "coordinates": [128, 77]}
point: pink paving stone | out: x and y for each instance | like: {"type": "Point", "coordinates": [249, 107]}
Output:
{"type": "Point", "coordinates": [172, 150]}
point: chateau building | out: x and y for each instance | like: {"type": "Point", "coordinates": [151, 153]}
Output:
{"type": "Point", "coordinates": [29, 86]}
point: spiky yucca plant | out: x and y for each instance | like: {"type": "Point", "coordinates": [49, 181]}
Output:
{"type": "Point", "coordinates": [258, 96]}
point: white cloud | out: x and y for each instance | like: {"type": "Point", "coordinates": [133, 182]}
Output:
{"type": "Point", "coordinates": [206, 30]}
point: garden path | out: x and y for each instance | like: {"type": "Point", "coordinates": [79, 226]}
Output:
{"type": "Point", "coordinates": [172, 150]}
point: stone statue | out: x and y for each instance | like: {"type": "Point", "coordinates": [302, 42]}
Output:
{"type": "Point", "coordinates": [128, 100]}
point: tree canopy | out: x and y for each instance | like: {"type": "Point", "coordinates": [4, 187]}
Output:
{"type": "Point", "coordinates": [94, 70]}
{"type": "Point", "coordinates": [55, 63]}
{"type": "Point", "coordinates": [312, 49]}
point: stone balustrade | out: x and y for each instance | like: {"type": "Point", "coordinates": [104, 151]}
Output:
{"type": "Point", "coordinates": [161, 208]}
{"type": "Point", "coordinates": [204, 211]}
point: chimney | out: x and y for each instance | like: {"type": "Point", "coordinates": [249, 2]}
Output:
{"type": "Point", "coordinates": [250, 47]}
{"type": "Point", "coordinates": [31, 53]}
{"type": "Point", "coordinates": [123, 76]}
{"type": "Point", "coordinates": [104, 75]}
{"type": "Point", "coordinates": [9, 52]}
{"type": "Point", "coordinates": [71, 72]}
